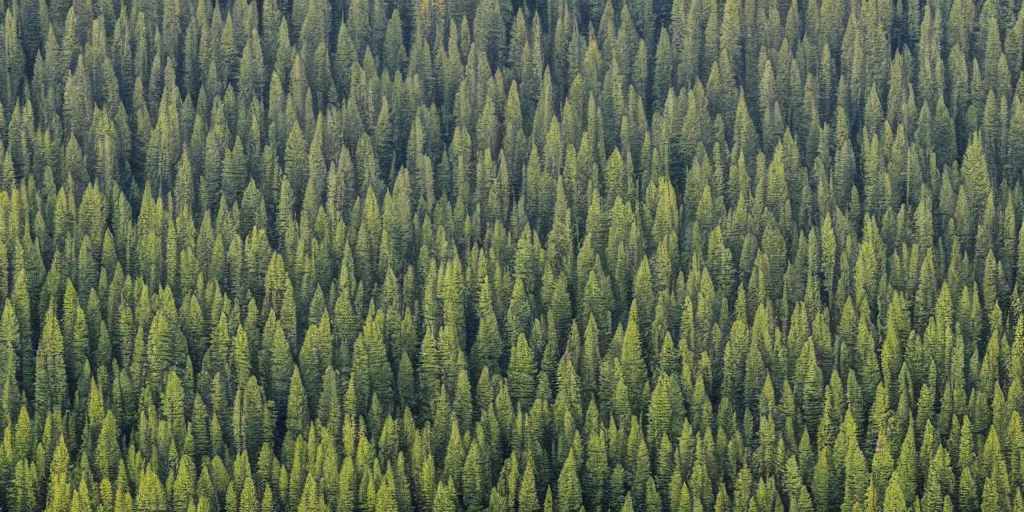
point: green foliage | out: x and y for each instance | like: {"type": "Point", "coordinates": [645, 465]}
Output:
{"type": "Point", "coordinates": [633, 255]}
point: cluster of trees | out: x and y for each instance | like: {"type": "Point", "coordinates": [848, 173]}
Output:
{"type": "Point", "coordinates": [562, 255]}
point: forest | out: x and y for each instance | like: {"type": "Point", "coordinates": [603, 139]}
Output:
{"type": "Point", "coordinates": [511, 255]}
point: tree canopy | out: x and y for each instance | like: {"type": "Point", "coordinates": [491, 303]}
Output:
{"type": "Point", "coordinates": [523, 255]}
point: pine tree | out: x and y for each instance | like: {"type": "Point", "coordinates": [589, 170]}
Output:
{"type": "Point", "coordinates": [976, 176]}
{"type": "Point", "coordinates": [570, 496]}
{"type": "Point", "coordinates": [522, 371]}
{"type": "Point", "coordinates": [51, 374]}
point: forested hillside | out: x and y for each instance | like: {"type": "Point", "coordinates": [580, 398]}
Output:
{"type": "Point", "coordinates": [562, 255]}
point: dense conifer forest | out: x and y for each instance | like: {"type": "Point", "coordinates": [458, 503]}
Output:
{"type": "Point", "coordinates": [511, 255]}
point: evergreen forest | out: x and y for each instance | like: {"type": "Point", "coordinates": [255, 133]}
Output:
{"type": "Point", "coordinates": [511, 255]}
